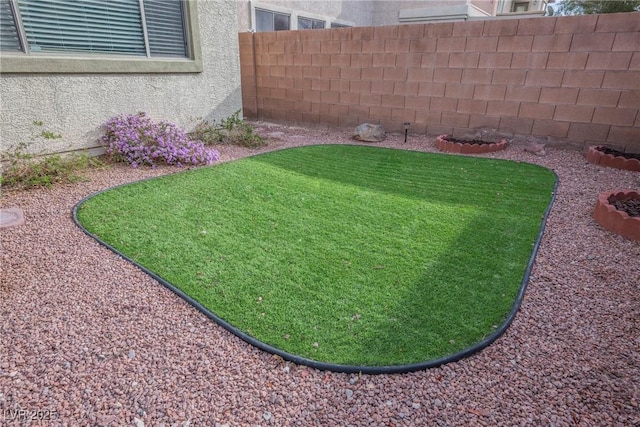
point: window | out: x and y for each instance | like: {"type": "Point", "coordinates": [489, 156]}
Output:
{"type": "Point", "coordinates": [309, 24]}
{"type": "Point", "coordinates": [126, 27]}
{"type": "Point", "coordinates": [270, 17]}
{"type": "Point", "coordinates": [99, 36]}
{"type": "Point", "coordinates": [9, 39]}
{"type": "Point", "coordinates": [267, 20]}
{"type": "Point", "coordinates": [166, 28]}
{"type": "Point", "coordinates": [520, 7]}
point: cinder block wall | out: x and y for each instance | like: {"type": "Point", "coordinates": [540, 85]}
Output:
{"type": "Point", "coordinates": [575, 80]}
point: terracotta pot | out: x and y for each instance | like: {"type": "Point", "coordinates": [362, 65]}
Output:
{"type": "Point", "coordinates": [443, 144]}
{"type": "Point", "coordinates": [615, 220]}
{"type": "Point", "coordinates": [594, 155]}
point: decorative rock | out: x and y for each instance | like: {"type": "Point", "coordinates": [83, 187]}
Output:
{"type": "Point", "coordinates": [536, 148]}
{"type": "Point", "coordinates": [274, 134]}
{"type": "Point", "coordinates": [107, 419]}
{"type": "Point", "coordinates": [11, 217]}
{"type": "Point", "coordinates": [132, 354]}
{"type": "Point", "coordinates": [349, 393]}
{"type": "Point", "coordinates": [266, 415]}
{"type": "Point", "coordinates": [370, 133]}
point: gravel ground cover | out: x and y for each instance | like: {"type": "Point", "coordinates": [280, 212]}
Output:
{"type": "Point", "coordinates": [88, 339]}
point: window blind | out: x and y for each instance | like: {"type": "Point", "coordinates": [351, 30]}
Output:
{"type": "Point", "coordinates": [9, 40]}
{"type": "Point", "coordinates": [100, 26]}
{"type": "Point", "coordinates": [165, 27]}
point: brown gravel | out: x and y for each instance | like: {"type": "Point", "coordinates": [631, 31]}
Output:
{"type": "Point", "coordinates": [97, 342]}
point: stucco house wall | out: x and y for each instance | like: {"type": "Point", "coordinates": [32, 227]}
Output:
{"type": "Point", "coordinates": [387, 12]}
{"type": "Point", "coordinates": [75, 105]}
{"type": "Point", "coordinates": [360, 13]}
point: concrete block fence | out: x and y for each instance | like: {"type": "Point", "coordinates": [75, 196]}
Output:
{"type": "Point", "coordinates": [573, 80]}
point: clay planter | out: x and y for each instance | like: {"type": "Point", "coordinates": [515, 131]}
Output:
{"type": "Point", "coordinates": [616, 220]}
{"type": "Point", "coordinates": [443, 144]}
{"type": "Point", "coordinates": [595, 155]}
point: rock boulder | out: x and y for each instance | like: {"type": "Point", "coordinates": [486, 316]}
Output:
{"type": "Point", "coordinates": [370, 133]}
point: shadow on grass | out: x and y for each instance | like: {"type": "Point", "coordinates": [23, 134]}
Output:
{"type": "Point", "coordinates": [391, 173]}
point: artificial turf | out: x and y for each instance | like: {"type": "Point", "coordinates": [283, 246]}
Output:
{"type": "Point", "coordinates": [343, 254]}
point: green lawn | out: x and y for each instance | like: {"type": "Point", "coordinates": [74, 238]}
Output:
{"type": "Point", "coordinates": [343, 254]}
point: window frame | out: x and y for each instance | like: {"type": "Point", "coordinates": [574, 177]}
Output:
{"type": "Point", "coordinates": [293, 16]}
{"type": "Point", "coordinates": [340, 24]}
{"type": "Point", "coordinates": [519, 4]}
{"type": "Point", "coordinates": [273, 17]}
{"type": "Point", "coordinates": [83, 63]}
{"type": "Point", "coordinates": [312, 21]}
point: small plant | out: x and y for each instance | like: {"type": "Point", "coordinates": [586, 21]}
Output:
{"type": "Point", "coordinates": [22, 169]}
{"type": "Point", "coordinates": [232, 130]}
{"type": "Point", "coordinates": [138, 140]}
{"type": "Point", "coordinates": [50, 135]}
{"type": "Point", "coordinates": [44, 133]}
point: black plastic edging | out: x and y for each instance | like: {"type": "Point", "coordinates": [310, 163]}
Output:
{"type": "Point", "coordinates": [374, 370]}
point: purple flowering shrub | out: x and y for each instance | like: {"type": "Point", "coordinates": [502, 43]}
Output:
{"type": "Point", "coordinates": [138, 140]}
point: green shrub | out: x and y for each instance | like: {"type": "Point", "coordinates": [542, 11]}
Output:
{"type": "Point", "coordinates": [231, 131]}
{"type": "Point", "coordinates": [23, 170]}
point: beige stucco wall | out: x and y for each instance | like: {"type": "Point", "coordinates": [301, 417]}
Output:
{"type": "Point", "coordinates": [363, 12]}
{"type": "Point", "coordinates": [386, 11]}
{"type": "Point", "coordinates": [76, 105]}
{"type": "Point", "coordinates": [359, 12]}
{"type": "Point", "coordinates": [379, 12]}
{"type": "Point", "coordinates": [488, 6]}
